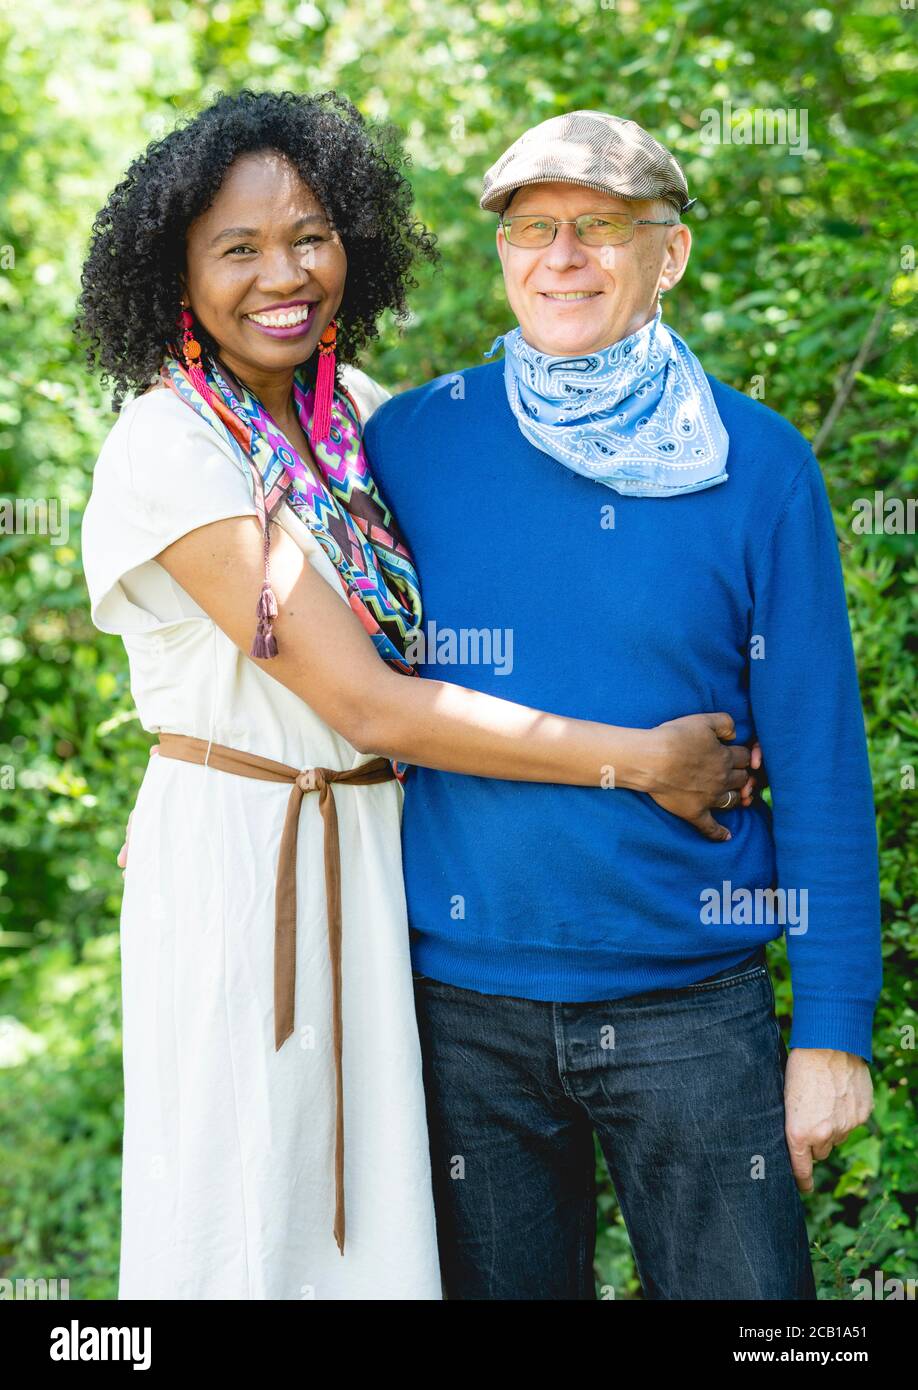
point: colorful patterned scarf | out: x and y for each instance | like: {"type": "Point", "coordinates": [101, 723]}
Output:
{"type": "Point", "coordinates": [638, 416]}
{"type": "Point", "coordinates": [342, 507]}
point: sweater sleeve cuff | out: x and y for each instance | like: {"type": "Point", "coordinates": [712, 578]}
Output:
{"type": "Point", "coordinates": [845, 1025]}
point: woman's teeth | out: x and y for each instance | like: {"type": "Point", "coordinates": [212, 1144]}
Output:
{"type": "Point", "coordinates": [284, 319]}
{"type": "Point", "coordinates": [571, 294]}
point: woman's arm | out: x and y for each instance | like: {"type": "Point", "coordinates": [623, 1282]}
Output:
{"type": "Point", "coordinates": [328, 660]}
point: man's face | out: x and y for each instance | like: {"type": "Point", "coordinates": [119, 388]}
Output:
{"type": "Point", "coordinates": [617, 286]}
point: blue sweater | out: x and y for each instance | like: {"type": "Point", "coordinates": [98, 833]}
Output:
{"type": "Point", "coordinates": [633, 611]}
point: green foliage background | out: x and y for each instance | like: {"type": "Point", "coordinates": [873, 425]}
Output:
{"type": "Point", "coordinates": [801, 286]}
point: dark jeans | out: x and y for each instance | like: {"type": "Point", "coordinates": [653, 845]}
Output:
{"type": "Point", "coordinates": [684, 1089]}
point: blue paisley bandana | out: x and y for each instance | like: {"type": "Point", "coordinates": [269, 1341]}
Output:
{"type": "Point", "coordinates": [638, 416]}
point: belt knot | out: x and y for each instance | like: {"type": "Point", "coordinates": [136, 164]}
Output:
{"type": "Point", "coordinates": [312, 779]}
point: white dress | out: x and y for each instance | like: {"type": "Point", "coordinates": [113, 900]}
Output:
{"type": "Point", "coordinates": [228, 1166]}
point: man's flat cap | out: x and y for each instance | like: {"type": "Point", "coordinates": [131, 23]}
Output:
{"type": "Point", "coordinates": [604, 152]}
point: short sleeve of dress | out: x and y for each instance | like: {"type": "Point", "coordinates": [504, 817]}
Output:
{"type": "Point", "coordinates": [163, 471]}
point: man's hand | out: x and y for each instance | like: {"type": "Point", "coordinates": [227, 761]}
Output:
{"type": "Point", "coordinates": [827, 1094]}
{"type": "Point", "coordinates": [123, 851]}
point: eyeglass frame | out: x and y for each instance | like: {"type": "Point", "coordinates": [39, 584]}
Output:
{"type": "Point", "coordinates": [572, 222]}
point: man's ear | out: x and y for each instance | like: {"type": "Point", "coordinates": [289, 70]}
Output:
{"type": "Point", "coordinates": [678, 250]}
{"type": "Point", "coordinates": [501, 241]}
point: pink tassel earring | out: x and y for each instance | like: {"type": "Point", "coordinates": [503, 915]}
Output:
{"type": "Point", "coordinates": [192, 351]}
{"type": "Point", "coordinates": [325, 384]}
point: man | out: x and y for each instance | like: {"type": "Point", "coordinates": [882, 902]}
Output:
{"type": "Point", "coordinates": [647, 542]}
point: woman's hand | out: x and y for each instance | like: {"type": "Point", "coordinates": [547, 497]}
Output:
{"type": "Point", "coordinates": [693, 769]}
{"type": "Point", "coordinates": [123, 851]}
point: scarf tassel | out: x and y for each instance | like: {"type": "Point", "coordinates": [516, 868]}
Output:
{"type": "Point", "coordinates": [264, 644]}
{"type": "Point", "coordinates": [267, 603]}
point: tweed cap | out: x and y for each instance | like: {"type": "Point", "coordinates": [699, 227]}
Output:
{"type": "Point", "coordinates": [591, 148]}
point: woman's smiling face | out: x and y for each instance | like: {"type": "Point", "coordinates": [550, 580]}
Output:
{"type": "Point", "coordinates": [265, 270]}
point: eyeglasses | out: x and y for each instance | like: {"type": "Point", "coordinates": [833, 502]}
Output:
{"type": "Point", "coordinates": [593, 229]}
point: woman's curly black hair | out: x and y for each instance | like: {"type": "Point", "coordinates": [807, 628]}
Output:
{"type": "Point", "coordinates": [129, 304]}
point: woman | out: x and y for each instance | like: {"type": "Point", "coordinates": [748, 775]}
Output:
{"type": "Point", "coordinates": [267, 992]}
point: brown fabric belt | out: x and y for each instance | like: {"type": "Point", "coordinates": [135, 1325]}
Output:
{"type": "Point", "coordinates": [320, 779]}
